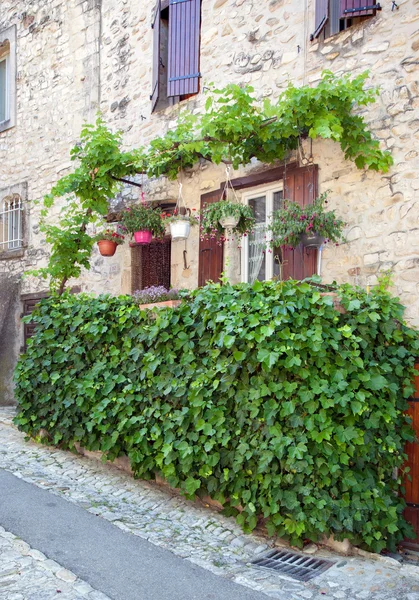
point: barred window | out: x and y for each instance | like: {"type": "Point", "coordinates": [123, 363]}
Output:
{"type": "Point", "coordinates": [11, 221]}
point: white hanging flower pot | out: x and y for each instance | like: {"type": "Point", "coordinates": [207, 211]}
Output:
{"type": "Point", "coordinates": [229, 221]}
{"type": "Point", "coordinates": [180, 230]}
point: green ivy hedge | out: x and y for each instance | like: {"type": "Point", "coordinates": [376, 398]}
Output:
{"type": "Point", "coordinates": [263, 396]}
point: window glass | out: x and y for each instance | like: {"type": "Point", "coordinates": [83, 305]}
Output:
{"type": "Point", "coordinates": [257, 241]}
{"type": "Point", "coordinates": [277, 252]}
{"type": "Point", "coordinates": [3, 90]}
{"type": "Point", "coordinates": [11, 223]}
{"type": "Point", "coordinates": [260, 261]}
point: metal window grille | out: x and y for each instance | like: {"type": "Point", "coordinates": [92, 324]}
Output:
{"type": "Point", "coordinates": [11, 218]}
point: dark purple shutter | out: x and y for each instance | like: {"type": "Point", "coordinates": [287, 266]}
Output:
{"type": "Point", "coordinates": [156, 56]}
{"type": "Point", "coordinates": [322, 16]}
{"type": "Point", "coordinates": [184, 42]}
{"type": "Point", "coordinates": [151, 264]}
{"type": "Point", "coordinates": [348, 8]}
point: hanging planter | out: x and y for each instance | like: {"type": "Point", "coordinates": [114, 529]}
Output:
{"type": "Point", "coordinates": [309, 225]}
{"type": "Point", "coordinates": [181, 220]}
{"type": "Point", "coordinates": [225, 215]}
{"type": "Point", "coordinates": [106, 247]}
{"type": "Point", "coordinates": [108, 241]}
{"type": "Point", "coordinates": [143, 237]}
{"type": "Point", "coordinates": [144, 222]}
{"type": "Point", "coordinates": [180, 229]}
{"type": "Point", "coordinates": [229, 221]}
{"type": "Point", "coordinates": [311, 240]}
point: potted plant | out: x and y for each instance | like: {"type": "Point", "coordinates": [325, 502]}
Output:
{"type": "Point", "coordinates": [217, 217]}
{"type": "Point", "coordinates": [310, 225]}
{"type": "Point", "coordinates": [144, 222]}
{"type": "Point", "coordinates": [157, 296]}
{"type": "Point", "coordinates": [180, 223]}
{"type": "Point", "coordinates": [107, 241]}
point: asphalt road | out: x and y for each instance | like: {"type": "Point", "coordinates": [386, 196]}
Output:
{"type": "Point", "coordinates": [119, 564]}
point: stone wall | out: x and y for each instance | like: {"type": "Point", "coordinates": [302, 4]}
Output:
{"type": "Point", "coordinates": [267, 45]}
{"type": "Point", "coordinates": [64, 74]}
{"type": "Point", "coordinates": [57, 88]}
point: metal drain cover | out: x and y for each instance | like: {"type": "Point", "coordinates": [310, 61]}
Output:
{"type": "Point", "coordinates": [297, 566]}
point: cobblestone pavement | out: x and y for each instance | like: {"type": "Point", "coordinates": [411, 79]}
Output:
{"type": "Point", "coordinates": [198, 534]}
{"type": "Point", "coordinates": [27, 574]}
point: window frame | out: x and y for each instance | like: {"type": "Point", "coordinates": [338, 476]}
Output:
{"type": "Point", "coordinates": [11, 210]}
{"type": "Point", "coordinates": [6, 60]}
{"type": "Point", "coordinates": [162, 96]}
{"type": "Point", "coordinates": [14, 192]}
{"type": "Point", "coordinates": [332, 23]}
{"type": "Point", "coordinates": [9, 35]}
{"type": "Point", "coordinates": [254, 192]}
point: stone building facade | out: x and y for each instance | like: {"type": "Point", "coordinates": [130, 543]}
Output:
{"type": "Point", "coordinates": [67, 59]}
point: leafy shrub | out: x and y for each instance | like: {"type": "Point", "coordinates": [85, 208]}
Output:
{"type": "Point", "coordinates": [264, 396]}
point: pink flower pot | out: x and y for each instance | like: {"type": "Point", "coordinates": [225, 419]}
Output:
{"type": "Point", "coordinates": [143, 237]}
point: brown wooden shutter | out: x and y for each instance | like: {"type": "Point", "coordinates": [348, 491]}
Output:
{"type": "Point", "coordinates": [300, 185]}
{"type": "Point", "coordinates": [322, 16]}
{"type": "Point", "coordinates": [156, 56]}
{"type": "Point", "coordinates": [411, 512]}
{"type": "Point", "coordinates": [210, 252]}
{"type": "Point", "coordinates": [29, 328]}
{"type": "Point", "coordinates": [184, 42]}
{"type": "Point", "coordinates": [348, 8]}
{"type": "Point", "coordinates": [150, 264]}
{"type": "Point", "coordinates": [29, 302]}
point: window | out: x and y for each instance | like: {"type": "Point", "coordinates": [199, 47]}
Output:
{"type": "Point", "coordinates": [11, 222]}
{"type": "Point", "coordinates": [176, 44]}
{"type": "Point", "coordinates": [333, 16]}
{"type": "Point", "coordinates": [4, 91]}
{"type": "Point", "coordinates": [259, 260]}
{"type": "Point", "coordinates": [7, 78]}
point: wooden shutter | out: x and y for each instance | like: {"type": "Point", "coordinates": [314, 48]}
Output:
{"type": "Point", "coordinates": [322, 16]}
{"type": "Point", "coordinates": [29, 302]}
{"type": "Point", "coordinates": [156, 56]}
{"type": "Point", "coordinates": [150, 264]}
{"type": "Point", "coordinates": [348, 8]}
{"type": "Point", "coordinates": [28, 307]}
{"type": "Point", "coordinates": [210, 252]}
{"type": "Point", "coordinates": [184, 42]}
{"type": "Point", "coordinates": [300, 185]}
{"type": "Point", "coordinates": [411, 512]}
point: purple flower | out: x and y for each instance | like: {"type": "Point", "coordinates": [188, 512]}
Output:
{"type": "Point", "coordinates": [156, 293]}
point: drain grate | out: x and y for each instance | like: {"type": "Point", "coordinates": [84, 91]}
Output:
{"type": "Point", "coordinates": [297, 566]}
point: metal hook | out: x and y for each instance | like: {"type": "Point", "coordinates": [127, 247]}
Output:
{"type": "Point", "coordinates": [185, 261]}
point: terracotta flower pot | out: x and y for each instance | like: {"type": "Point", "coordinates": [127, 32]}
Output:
{"type": "Point", "coordinates": [143, 237]}
{"type": "Point", "coordinates": [107, 247]}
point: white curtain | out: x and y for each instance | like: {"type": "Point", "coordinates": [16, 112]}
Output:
{"type": "Point", "coordinates": [257, 248]}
